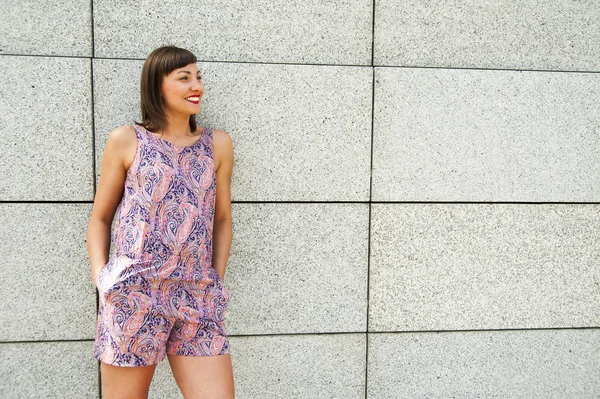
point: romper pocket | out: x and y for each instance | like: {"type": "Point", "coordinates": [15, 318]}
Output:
{"type": "Point", "coordinates": [221, 284]}
{"type": "Point", "coordinates": [225, 292]}
{"type": "Point", "coordinates": [102, 271]}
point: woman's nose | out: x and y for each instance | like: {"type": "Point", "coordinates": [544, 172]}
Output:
{"type": "Point", "coordinates": [197, 84]}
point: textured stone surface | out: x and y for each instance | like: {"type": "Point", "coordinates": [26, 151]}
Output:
{"type": "Point", "coordinates": [48, 370]}
{"type": "Point", "coordinates": [300, 132]}
{"type": "Point", "coordinates": [116, 100]}
{"type": "Point", "coordinates": [528, 34]}
{"type": "Point", "coordinates": [46, 286]}
{"type": "Point", "coordinates": [326, 366]}
{"type": "Point", "coordinates": [45, 129]}
{"type": "Point", "coordinates": [478, 266]}
{"type": "Point", "coordinates": [310, 31]}
{"type": "Point", "coordinates": [471, 135]}
{"type": "Point", "coordinates": [298, 268]}
{"type": "Point", "coordinates": [57, 27]}
{"type": "Point", "coordinates": [529, 364]}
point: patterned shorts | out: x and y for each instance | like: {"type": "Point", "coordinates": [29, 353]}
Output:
{"type": "Point", "coordinates": [143, 317]}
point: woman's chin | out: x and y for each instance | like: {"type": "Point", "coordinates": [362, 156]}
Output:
{"type": "Point", "coordinates": [190, 111]}
{"type": "Point", "coordinates": [195, 110]}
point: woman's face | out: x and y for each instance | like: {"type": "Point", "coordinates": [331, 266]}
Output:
{"type": "Point", "coordinates": [182, 90]}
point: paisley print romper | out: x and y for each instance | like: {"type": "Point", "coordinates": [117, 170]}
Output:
{"type": "Point", "coordinates": [159, 293]}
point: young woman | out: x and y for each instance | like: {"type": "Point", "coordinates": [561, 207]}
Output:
{"type": "Point", "coordinates": [162, 293]}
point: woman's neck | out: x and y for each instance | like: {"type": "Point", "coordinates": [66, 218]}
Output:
{"type": "Point", "coordinates": [178, 127]}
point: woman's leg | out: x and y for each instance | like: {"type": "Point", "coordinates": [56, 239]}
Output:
{"type": "Point", "coordinates": [126, 382]}
{"type": "Point", "coordinates": [205, 377]}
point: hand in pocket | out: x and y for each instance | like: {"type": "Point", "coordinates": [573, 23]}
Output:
{"type": "Point", "coordinates": [96, 276]}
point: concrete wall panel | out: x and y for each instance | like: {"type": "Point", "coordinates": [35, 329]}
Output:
{"type": "Point", "coordinates": [478, 266]}
{"type": "Point", "coordinates": [529, 34]}
{"type": "Point", "coordinates": [45, 129]}
{"type": "Point", "coordinates": [48, 370]}
{"type": "Point", "coordinates": [46, 286]}
{"type": "Point", "coordinates": [298, 268]}
{"type": "Point", "coordinates": [528, 364]}
{"type": "Point", "coordinates": [62, 28]}
{"type": "Point", "coordinates": [472, 135]}
{"type": "Point", "coordinates": [311, 31]}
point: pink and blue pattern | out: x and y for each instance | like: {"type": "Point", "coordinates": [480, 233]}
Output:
{"type": "Point", "coordinates": [159, 293]}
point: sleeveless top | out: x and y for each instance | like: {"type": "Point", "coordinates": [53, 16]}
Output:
{"type": "Point", "coordinates": [164, 223]}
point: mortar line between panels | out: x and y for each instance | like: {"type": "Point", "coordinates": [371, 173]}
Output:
{"type": "Point", "coordinates": [94, 167]}
{"type": "Point", "coordinates": [339, 202]}
{"type": "Point", "coordinates": [339, 333]}
{"type": "Point", "coordinates": [368, 302]}
{"type": "Point", "coordinates": [98, 373]}
{"type": "Point", "coordinates": [321, 65]}
{"type": "Point", "coordinates": [92, 26]}
{"type": "Point", "coordinates": [366, 384]}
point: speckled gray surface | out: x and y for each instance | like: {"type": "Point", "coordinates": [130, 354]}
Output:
{"type": "Point", "coordinates": [529, 364]}
{"type": "Point", "coordinates": [320, 366]}
{"type": "Point", "coordinates": [481, 266]}
{"type": "Point", "coordinates": [50, 27]}
{"type": "Point", "coordinates": [527, 34]}
{"type": "Point", "coordinates": [46, 287]}
{"type": "Point", "coordinates": [300, 132]}
{"type": "Point", "coordinates": [472, 135]}
{"type": "Point", "coordinates": [45, 129]}
{"type": "Point", "coordinates": [327, 366]}
{"type": "Point", "coordinates": [298, 268]}
{"type": "Point", "coordinates": [48, 370]}
{"type": "Point", "coordinates": [309, 31]}
{"type": "Point", "coordinates": [116, 99]}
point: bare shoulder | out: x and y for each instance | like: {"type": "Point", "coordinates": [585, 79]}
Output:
{"type": "Point", "coordinates": [222, 142]}
{"type": "Point", "coordinates": [221, 138]}
{"type": "Point", "coordinates": [123, 134]}
{"type": "Point", "coordinates": [122, 141]}
{"type": "Point", "coordinates": [222, 146]}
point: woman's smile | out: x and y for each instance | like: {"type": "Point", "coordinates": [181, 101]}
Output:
{"type": "Point", "coordinates": [195, 99]}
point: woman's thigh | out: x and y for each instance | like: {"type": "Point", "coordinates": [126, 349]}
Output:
{"type": "Point", "coordinates": [206, 377]}
{"type": "Point", "coordinates": [126, 382]}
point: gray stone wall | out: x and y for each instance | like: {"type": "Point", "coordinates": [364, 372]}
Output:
{"type": "Point", "coordinates": [416, 190]}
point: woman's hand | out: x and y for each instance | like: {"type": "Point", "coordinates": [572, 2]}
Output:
{"type": "Point", "coordinates": [96, 273]}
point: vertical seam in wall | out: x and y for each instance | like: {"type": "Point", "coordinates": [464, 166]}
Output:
{"type": "Point", "coordinates": [94, 190]}
{"type": "Point", "coordinates": [94, 159]}
{"type": "Point", "coordinates": [370, 196]}
{"type": "Point", "coordinates": [92, 97]}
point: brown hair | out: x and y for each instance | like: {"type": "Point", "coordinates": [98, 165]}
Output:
{"type": "Point", "coordinates": [159, 63]}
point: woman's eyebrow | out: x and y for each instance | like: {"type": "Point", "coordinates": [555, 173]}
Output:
{"type": "Point", "coordinates": [187, 72]}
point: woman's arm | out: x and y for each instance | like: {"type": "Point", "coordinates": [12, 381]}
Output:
{"type": "Point", "coordinates": [222, 230]}
{"type": "Point", "coordinates": [108, 195]}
